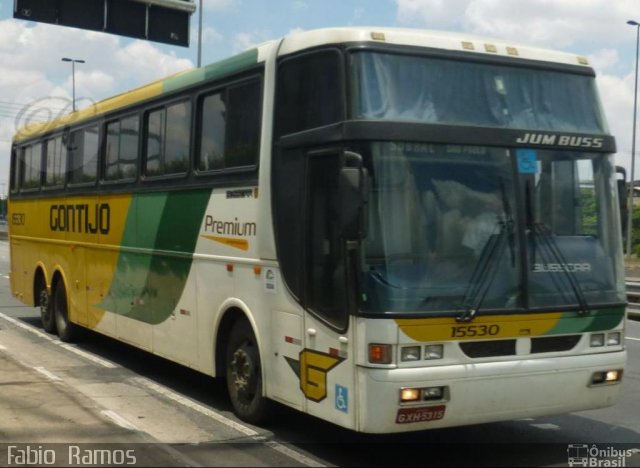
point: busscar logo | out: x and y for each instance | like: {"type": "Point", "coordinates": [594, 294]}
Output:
{"type": "Point", "coordinates": [573, 141]}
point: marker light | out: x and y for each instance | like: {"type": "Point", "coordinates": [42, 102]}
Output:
{"type": "Point", "coordinates": [597, 340]}
{"type": "Point", "coordinates": [410, 353]}
{"type": "Point", "coordinates": [409, 394]}
{"type": "Point", "coordinates": [435, 351]}
{"type": "Point", "coordinates": [379, 353]}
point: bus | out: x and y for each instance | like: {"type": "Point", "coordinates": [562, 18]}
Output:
{"type": "Point", "coordinates": [391, 230]}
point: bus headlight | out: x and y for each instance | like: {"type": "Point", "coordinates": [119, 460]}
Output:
{"type": "Point", "coordinates": [410, 353]}
{"type": "Point", "coordinates": [435, 351]}
{"type": "Point", "coordinates": [597, 340]}
{"type": "Point", "coordinates": [613, 339]}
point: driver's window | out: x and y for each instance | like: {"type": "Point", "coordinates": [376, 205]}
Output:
{"type": "Point", "coordinates": [326, 280]}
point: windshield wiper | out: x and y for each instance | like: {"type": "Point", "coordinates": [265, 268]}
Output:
{"type": "Point", "coordinates": [487, 265]}
{"type": "Point", "coordinates": [541, 230]}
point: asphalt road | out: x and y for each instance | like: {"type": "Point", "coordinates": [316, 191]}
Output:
{"type": "Point", "coordinates": [61, 400]}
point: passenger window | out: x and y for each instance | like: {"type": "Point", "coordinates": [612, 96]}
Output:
{"type": "Point", "coordinates": [122, 149]}
{"type": "Point", "coordinates": [56, 165]}
{"type": "Point", "coordinates": [230, 127]}
{"type": "Point", "coordinates": [309, 92]}
{"type": "Point", "coordinates": [31, 167]}
{"type": "Point", "coordinates": [83, 155]}
{"type": "Point", "coordinates": [168, 140]}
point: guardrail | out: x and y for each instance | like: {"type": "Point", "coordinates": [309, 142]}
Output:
{"type": "Point", "coordinates": [633, 296]}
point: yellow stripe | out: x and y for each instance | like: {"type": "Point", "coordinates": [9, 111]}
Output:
{"type": "Point", "coordinates": [116, 102]}
{"type": "Point", "coordinates": [483, 327]}
{"type": "Point", "coordinates": [241, 244]}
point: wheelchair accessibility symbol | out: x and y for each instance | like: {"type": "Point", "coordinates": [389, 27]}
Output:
{"type": "Point", "coordinates": [342, 398]}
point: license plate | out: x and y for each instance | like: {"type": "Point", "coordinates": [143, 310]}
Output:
{"type": "Point", "coordinates": [414, 415]}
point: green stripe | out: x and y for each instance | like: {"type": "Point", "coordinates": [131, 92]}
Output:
{"type": "Point", "coordinates": [148, 286]}
{"type": "Point", "coordinates": [597, 320]}
{"type": "Point", "coordinates": [211, 72]}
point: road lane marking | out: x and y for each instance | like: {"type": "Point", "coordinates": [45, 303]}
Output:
{"type": "Point", "coordinates": [119, 420]}
{"type": "Point", "coordinates": [49, 375]}
{"type": "Point", "coordinates": [3, 348]}
{"type": "Point", "coordinates": [24, 326]}
{"type": "Point", "coordinates": [546, 426]}
{"type": "Point", "coordinates": [632, 339]}
{"type": "Point", "coordinates": [68, 347]}
{"type": "Point", "coordinates": [168, 393]}
{"type": "Point", "coordinates": [86, 355]}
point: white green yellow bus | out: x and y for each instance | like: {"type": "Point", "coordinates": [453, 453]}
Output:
{"type": "Point", "coordinates": [391, 230]}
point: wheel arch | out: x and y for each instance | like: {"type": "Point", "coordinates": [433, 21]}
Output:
{"type": "Point", "coordinates": [229, 313]}
{"type": "Point", "coordinates": [40, 274]}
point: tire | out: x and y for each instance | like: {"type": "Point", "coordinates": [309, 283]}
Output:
{"type": "Point", "coordinates": [46, 310]}
{"type": "Point", "coordinates": [67, 331]}
{"type": "Point", "coordinates": [244, 375]}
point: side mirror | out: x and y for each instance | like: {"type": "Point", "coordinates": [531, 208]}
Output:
{"type": "Point", "coordinates": [353, 193]}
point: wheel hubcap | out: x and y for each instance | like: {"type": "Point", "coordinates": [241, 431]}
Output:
{"type": "Point", "coordinates": [243, 373]}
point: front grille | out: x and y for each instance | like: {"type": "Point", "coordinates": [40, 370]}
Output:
{"type": "Point", "coordinates": [550, 344]}
{"type": "Point", "coordinates": [481, 349]}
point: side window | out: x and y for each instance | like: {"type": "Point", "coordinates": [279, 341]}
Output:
{"type": "Point", "coordinates": [83, 155]}
{"type": "Point", "coordinates": [56, 165]}
{"type": "Point", "coordinates": [168, 140]}
{"type": "Point", "coordinates": [31, 167]}
{"type": "Point", "coordinates": [230, 127]}
{"type": "Point", "coordinates": [121, 152]}
{"type": "Point", "coordinates": [309, 92]}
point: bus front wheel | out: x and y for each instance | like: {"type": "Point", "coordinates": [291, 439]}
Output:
{"type": "Point", "coordinates": [67, 331]}
{"type": "Point", "coordinates": [244, 375]}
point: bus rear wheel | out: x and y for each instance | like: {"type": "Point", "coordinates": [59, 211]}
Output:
{"type": "Point", "coordinates": [46, 309]}
{"type": "Point", "coordinates": [67, 331]}
{"type": "Point", "coordinates": [244, 375]}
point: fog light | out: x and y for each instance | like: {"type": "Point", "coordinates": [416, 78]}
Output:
{"type": "Point", "coordinates": [597, 340]}
{"type": "Point", "coordinates": [606, 377]}
{"type": "Point", "coordinates": [379, 353]}
{"type": "Point", "coordinates": [409, 394]}
{"type": "Point", "coordinates": [410, 353]}
{"type": "Point", "coordinates": [435, 351]}
{"type": "Point", "coordinates": [613, 339]}
{"type": "Point", "coordinates": [612, 376]}
{"type": "Point", "coordinates": [433, 393]}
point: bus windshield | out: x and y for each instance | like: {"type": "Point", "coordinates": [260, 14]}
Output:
{"type": "Point", "coordinates": [433, 90]}
{"type": "Point", "coordinates": [446, 234]}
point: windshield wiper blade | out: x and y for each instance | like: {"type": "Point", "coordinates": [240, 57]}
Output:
{"type": "Point", "coordinates": [483, 274]}
{"type": "Point", "coordinates": [487, 266]}
{"type": "Point", "coordinates": [543, 231]}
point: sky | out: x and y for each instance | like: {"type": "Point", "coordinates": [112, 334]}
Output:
{"type": "Point", "coordinates": [32, 74]}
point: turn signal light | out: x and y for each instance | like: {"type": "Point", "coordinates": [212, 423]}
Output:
{"type": "Point", "coordinates": [380, 353]}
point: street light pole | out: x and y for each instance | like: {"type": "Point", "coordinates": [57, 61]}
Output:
{"type": "Point", "coordinates": [73, 79]}
{"type": "Point", "coordinates": [200, 13]}
{"type": "Point", "coordinates": [633, 144]}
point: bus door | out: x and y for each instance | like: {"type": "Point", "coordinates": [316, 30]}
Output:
{"type": "Point", "coordinates": [327, 377]}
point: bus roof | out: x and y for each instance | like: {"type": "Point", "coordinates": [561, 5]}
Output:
{"type": "Point", "coordinates": [299, 41]}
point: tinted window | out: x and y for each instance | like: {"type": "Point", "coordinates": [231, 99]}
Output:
{"type": "Point", "coordinates": [31, 166]}
{"type": "Point", "coordinates": [230, 127]}
{"type": "Point", "coordinates": [122, 149]}
{"type": "Point", "coordinates": [83, 155]}
{"type": "Point", "coordinates": [56, 162]}
{"type": "Point", "coordinates": [168, 140]}
{"type": "Point", "coordinates": [309, 92]}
